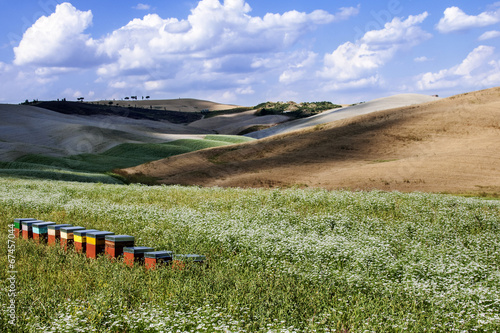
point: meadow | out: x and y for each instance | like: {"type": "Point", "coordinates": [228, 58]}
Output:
{"type": "Point", "coordinates": [293, 260]}
{"type": "Point", "coordinates": [97, 168]}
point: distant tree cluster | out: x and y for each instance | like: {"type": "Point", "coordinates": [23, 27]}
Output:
{"type": "Point", "coordinates": [134, 97]}
{"type": "Point", "coordinates": [295, 110]}
{"type": "Point", "coordinates": [36, 101]}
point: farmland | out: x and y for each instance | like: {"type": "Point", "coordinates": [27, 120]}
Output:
{"type": "Point", "coordinates": [98, 167]}
{"type": "Point", "coordinates": [277, 260]}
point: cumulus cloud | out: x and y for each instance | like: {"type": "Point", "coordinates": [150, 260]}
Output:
{"type": "Point", "coordinates": [421, 59]}
{"type": "Point", "coordinates": [455, 19]}
{"type": "Point", "coordinates": [58, 40]}
{"type": "Point", "coordinates": [298, 67]}
{"type": "Point", "coordinates": [481, 68]}
{"type": "Point", "coordinates": [214, 42]}
{"type": "Point", "coordinates": [354, 64]}
{"type": "Point", "coordinates": [4, 67]}
{"type": "Point", "coordinates": [489, 35]}
{"type": "Point", "coordinates": [142, 6]}
{"type": "Point", "coordinates": [212, 30]}
{"type": "Point", "coordinates": [216, 47]}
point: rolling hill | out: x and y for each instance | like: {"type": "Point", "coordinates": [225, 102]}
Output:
{"type": "Point", "coordinates": [447, 145]}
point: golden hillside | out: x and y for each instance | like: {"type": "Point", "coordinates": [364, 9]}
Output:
{"type": "Point", "coordinates": [449, 145]}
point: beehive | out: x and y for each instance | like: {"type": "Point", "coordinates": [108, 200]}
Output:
{"type": "Point", "coordinates": [18, 225]}
{"type": "Point", "coordinates": [96, 242]}
{"type": "Point", "coordinates": [40, 231]}
{"type": "Point", "coordinates": [28, 228]}
{"type": "Point", "coordinates": [179, 260]}
{"type": "Point", "coordinates": [135, 254]}
{"type": "Point", "coordinates": [114, 244]}
{"type": "Point", "coordinates": [67, 236]}
{"type": "Point", "coordinates": [80, 239]}
{"type": "Point", "coordinates": [152, 259]}
{"type": "Point", "coordinates": [54, 232]}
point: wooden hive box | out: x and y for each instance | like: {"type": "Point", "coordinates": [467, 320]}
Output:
{"type": "Point", "coordinates": [96, 242]}
{"type": "Point", "coordinates": [66, 234]}
{"type": "Point", "coordinates": [54, 232]}
{"type": "Point", "coordinates": [80, 239]}
{"type": "Point", "coordinates": [28, 228]}
{"type": "Point", "coordinates": [152, 259]}
{"type": "Point", "coordinates": [135, 254]}
{"type": "Point", "coordinates": [114, 244]}
{"type": "Point", "coordinates": [41, 232]}
{"type": "Point", "coordinates": [179, 260]}
{"type": "Point", "coordinates": [18, 225]}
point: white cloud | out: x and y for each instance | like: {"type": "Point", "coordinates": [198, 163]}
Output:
{"type": "Point", "coordinates": [354, 64]}
{"type": "Point", "coordinates": [481, 68]}
{"type": "Point", "coordinates": [142, 6]}
{"type": "Point", "coordinates": [212, 48]}
{"type": "Point", "coordinates": [421, 59]}
{"type": "Point", "coordinates": [4, 67]}
{"type": "Point", "coordinates": [298, 67]}
{"type": "Point", "coordinates": [489, 35]}
{"type": "Point", "coordinates": [245, 91]}
{"type": "Point", "coordinates": [58, 40]}
{"type": "Point", "coordinates": [455, 19]}
{"type": "Point", "coordinates": [220, 46]}
{"type": "Point", "coordinates": [213, 29]}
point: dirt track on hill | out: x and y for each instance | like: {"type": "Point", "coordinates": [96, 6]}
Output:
{"type": "Point", "coordinates": [451, 145]}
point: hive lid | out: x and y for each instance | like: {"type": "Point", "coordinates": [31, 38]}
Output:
{"type": "Point", "coordinates": [83, 232]}
{"type": "Point", "coordinates": [30, 222]}
{"type": "Point", "coordinates": [58, 226]}
{"type": "Point", "coordinates": [43, 224]}
{"type": "Point", "coordinates": [138, 249]}
{"type": "Point", "coordinates": [189, 257]}
{"type": "Point", "coordinates": [120, 238]}
{"type": "Point", "coordinates": [99, 234]}
{"type": "Point", "coordinates": [158, 254]}
{"type": "Point", "coordinates": [24, 219]}
{"type": "Point", "coordinates": [72, 229]}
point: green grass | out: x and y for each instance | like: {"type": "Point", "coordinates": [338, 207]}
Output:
{"type": "Point", "coordinates": [97, 167]}
{"type": "Point", "coordinates": [278, 260]}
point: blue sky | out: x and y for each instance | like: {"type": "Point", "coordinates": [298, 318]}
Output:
{"type": "Point", "coordinates": [246, 52]}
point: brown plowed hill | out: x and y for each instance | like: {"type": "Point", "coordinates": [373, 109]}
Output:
{"type": "Point", "coordinates": [450, 145]}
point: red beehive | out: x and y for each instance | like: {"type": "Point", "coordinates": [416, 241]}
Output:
{"type": "Point", "coordinates": [18, 225]}
{"type": "Point", "coordinates": [179, 260]}
{"type": "Point", "coordinates": [135, 254]}
{"type": "Point", "coordinates": [54, 232]}
{"type": "Point", "coordinates": [40, 231]}
{"type": "Point", "coordinates": [114, 244]}
{"type": "Point", "coordinates": [152, 259]}
{"type": "Point", "coordinates": [96, 242]}
{"type": "Point", "coordinates": [66, 234]}
{"type": "Point", "coordinates": [80, 239]}
{"type": "Point", "coordinates": [28, 228]}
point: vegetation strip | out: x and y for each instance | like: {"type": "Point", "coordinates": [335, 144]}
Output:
{"type": "Point", "coordinates": [280, 260]}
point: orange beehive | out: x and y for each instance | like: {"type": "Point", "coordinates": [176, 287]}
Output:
{"type": "Point", "coordinates": [114, 244]}
{"type": "Point", "coordinates": [179, 260]}
{"type": "Point", "coordinates": [66, 234]}
{"type": "Point", "coordinates": [80, 240]}
{"type": "Point", "coordinates": [96, 242]}
{"type": "Point", "coordinates": [28, 228]}
{"type": "Point", "coordinates": [18, 225]}
{"type": "Point", "coordinates": [40, 231]}
{"type": "Point", "coordinates": [135, 254]}
{"type": "Point", "coordinates": [152, 259]}
{"type": "Point", "coordinates": [54, 232]}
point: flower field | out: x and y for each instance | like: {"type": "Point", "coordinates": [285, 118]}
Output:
{"type": "Point", "coordinates": [277, 261]}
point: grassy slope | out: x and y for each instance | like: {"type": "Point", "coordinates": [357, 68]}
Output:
{"type": "Point", "coordinates": [278, 259]}
{"type": "Point", "coordinates": [451, 145]}
{"type": "Point", "coordinates": [96, 167]}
